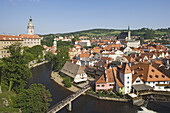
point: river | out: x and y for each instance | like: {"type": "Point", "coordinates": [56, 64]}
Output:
{"type": "Point", "coordinates": [86, 104]}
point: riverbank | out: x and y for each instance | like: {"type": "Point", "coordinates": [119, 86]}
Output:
{"type": "Point", "coordinates": [56, 77]}
{"type": "Point", "coordinates": [107, 98]}
{"type": "Point", "coordinates": [38, 64]}
{"type": "Point", "coordinates": [87, 104]}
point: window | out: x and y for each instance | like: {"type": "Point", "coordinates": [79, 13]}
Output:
{"type": "Point", "coordinates": [98, 85]}
{"type": "Point", "coordinates": [127, 86]}
{"type": "Point", "coordinates": [102, 85]}
{"type": "Point", "coordinates": [137, 81]}
{"type": "Point", "coordinates": [153, 70]}
{"type": "Point", "coordinates": [127, 77]}
{"type": "Point", "coordinates": [111, 84]}
{"type": "Point", "coordinates": [128, 82]}
{"type": "Point", "coordinates": [156, 76]}
{"type": "Point", "coordinates": [163, 76]}
{"type": "Point", "coordinates": [150, 76]}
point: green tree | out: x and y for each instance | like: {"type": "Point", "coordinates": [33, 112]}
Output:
{"type": "Point", "coordinates": [67, 82]}
{"type": "Point", "coordinates": [33, 100]}
{"type": "Point", "coordinates": [149, 34]}
{"type": "Point", "coordinates": [15, 73]}
{"type": "Point", "coordinates": [1, 66]}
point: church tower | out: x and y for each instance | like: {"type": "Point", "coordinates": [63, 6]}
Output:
{"type": "Point", "coordinates": [129, 38]}
{"type": "Point", "coordinates": [30, 27]}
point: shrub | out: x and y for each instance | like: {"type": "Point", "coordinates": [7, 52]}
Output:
{"type": "Point", "coordinates": [99, 93]}
{"type": "Point", "coordinates": [105, 92]}
{"type": "Point", "coordinates": [67, 82]}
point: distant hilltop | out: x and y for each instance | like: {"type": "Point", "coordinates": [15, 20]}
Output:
{"type": "Point", "coordinates": [116, 32]}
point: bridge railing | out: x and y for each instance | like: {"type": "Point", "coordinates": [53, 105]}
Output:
{"type": "Point", "coordinates": [67, 99]}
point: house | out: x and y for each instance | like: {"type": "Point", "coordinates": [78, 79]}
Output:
{"type": "Point", "coordinates": [105, 81]}
{"type": "Point", "coordinates": [74, 71]}
{"type": "Point", "coordinates": [127, 50]}
{"type": "Point", "coordinates": [144, 73]}
{"type": "Point", "coordinates": [135, 44]}
{"type": "Point", "coordinates": [123, 79]}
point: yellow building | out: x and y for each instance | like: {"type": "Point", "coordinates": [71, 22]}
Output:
{"type": "Point", "coordinates": [5, 41]}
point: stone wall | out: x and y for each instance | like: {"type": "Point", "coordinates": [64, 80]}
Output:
{"type": "Point", "coordinates": [107, 98]}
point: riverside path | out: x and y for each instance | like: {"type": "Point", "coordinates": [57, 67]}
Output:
{"type": "Point", "coordinates": [68, 100]}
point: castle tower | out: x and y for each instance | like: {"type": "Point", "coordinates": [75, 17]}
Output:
{"type": "Point", "coordinates": [129, 38]}
{"type": "Point", "coordinates": [55, 44]}
{"type": "Point", "coordinates": [30, 27]}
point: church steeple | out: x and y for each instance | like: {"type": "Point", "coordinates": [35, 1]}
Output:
{"type": "Point", "coordinates": [30, 27]}
{"type": "Point", "coordinates": [129, 38]}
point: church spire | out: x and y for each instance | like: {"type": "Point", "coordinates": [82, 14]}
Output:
{"type": "Point", "coordinates": [128, 28]}
{"type": "Point", "coordinates": [129, 38]}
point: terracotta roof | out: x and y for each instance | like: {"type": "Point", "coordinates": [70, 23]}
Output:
{"type": "Point", "coordinates": [10, 38]}
{"type": "Point", "coordinates": [102, 78]}
{"type": "Point", "coordinates": [148, 73]}
{"type": "Point", "coordinates": [83, 67]}
{"type": "Point", "coordinates": [110, 77]}
{"type": "Point", "coordinates": [53, 47]}
{"type": "Point", "coordinates": [84, 55]}
{"type": "Point", "coordinates": [53, 51]}
{"type": "Point", "coordinates": [29, 36]}
{"type": "Point", "coordinates": [125, 68]}
{"type": "Point", "coordinates": [129, 58]}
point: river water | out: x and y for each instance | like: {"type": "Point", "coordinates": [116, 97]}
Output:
{"type": "Point", "coordinates": [86, 104]}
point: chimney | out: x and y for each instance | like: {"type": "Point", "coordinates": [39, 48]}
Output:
{"type": "Point", "coordinates": [151, 62]}
{"type": "Point", "coordinates": [132, 71]}
{"type": "Point", "coordinates": [3, 34]}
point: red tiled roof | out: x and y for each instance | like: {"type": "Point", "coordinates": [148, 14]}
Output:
{"type": "Point", "coordinates": [10, 38]}
{"type": "Point", "coordinates": [29, 36]}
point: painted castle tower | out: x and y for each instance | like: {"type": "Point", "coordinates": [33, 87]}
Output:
{"type": "Point", "coordinates": [55, 44]}
{"type": "Point", "coordinates": [30, 27]}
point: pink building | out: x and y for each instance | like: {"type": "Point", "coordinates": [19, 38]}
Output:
{"type": "Point", "coordinates": [105, 81]}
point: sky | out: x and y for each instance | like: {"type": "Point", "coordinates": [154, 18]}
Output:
{"type": "Point", "coordinates": [62, 16]}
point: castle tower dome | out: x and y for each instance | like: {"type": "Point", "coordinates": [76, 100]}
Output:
{"type": "Point", "coordinates": [30, 27]}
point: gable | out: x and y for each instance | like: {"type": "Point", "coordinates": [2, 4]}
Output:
{"type": "Point", "coordinates": [101, 79]}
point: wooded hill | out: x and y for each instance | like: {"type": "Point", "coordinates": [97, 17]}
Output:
{"type": "Point", "coordinates": [114, 32]}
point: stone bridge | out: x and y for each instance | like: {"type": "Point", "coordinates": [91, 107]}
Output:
{"type": "Point", "coordinates": [68, 100]}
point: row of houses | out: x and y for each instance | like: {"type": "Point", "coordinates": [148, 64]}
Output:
{"type": "Point", "coordinates": [122, 68]}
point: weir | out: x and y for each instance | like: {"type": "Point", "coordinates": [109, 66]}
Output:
{"type": "Point", "coordinates": [68, 100]}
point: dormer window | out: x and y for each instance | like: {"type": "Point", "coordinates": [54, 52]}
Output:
{"type": "Point", "coordinates": [156, 76]}
{"type": "Point", "coordinates": [150, 76]}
